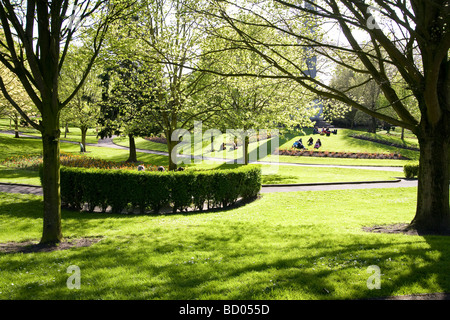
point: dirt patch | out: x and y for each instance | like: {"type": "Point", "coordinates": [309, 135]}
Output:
{"type": "Point", "coordinates": [32, 246]}
{"type": "Point", "coordinates": [392, 228]}
{"type": "Point", "coordinates": [402, 228]}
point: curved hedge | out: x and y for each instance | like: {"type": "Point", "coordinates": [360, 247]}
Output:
{"type": "Point", "coordinates": [155, 190]}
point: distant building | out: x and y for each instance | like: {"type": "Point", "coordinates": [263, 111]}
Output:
{"type": "Point", "coordinates": [311, 63]}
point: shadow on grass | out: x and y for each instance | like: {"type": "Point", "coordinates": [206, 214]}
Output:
{"type": "Point", "coordinates": [235, 260]}
{"type": "Point", "coordinates": [223, 266]}
{"type": "Point", "coordinates": [19, 175]}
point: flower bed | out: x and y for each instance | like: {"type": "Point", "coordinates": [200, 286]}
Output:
{"type": "Point", "coordinates": [157, 139]}
{"type": "Point", "coordinates": [332, 154]}
{"type": "Point", "coordinates": [32, 162]}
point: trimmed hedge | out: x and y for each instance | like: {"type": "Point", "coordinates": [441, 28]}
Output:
{"type": "Point", "coordinates": [155, 190]}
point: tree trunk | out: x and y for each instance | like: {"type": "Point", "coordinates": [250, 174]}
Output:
{"type": "Point", "coordinates": [51, 187]}
{"type": "Point", "coordinates": [83, 137]}
{"type": "Point", "coordinates": [433, 212]}
{"type": "Point", "coordinates": [245, 151]}
{"type": "Point", "coordinates": [374, 124]}
{"type": "Point", "coordinates": [66, 130]}
{"type": "Point", "coordinates": [132, 157]}
{"type": "Point", "coordinates": [171, 146]}
{"type": "Point", "coordinates": [16, 127]}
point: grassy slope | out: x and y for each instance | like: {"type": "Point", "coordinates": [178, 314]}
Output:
{"type": "Point", "coordinates": [297, 245]}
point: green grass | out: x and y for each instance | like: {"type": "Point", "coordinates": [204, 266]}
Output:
{"type": "Point", "coordinates": [73, 135]}
{"type": "Point", "coordinates": [19, 176]}
{"type": "Point", "coordinates": [293, 174]}
{"type": "Point", "coordinates": [297, 245]}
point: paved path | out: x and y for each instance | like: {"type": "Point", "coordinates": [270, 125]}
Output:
{"type": "Point", "coordinates": [20, 188]}
{"type": "Point", "coordinates": [401, 183]}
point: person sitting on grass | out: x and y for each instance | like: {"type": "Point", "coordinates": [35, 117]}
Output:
{"type": "Point", "coordinates": [298, 144]}
{"type": "Point", "coordinates": [318, 144]}
{"type": "Point", "coordinates": [310, 141]}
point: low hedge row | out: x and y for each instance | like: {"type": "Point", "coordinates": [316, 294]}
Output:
{"type": "Point", "coordinates": [155, 190]}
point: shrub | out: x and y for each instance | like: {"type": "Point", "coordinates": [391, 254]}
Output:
{"type": "Point", "coordinates": [411, 170]}
{"type": "Point", "coordinates": [155, 190]}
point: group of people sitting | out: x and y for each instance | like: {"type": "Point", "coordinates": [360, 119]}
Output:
{"type": "Point", "coordinates": [299, 143]}
{"type": "Point", "coordinates": [325, 131]}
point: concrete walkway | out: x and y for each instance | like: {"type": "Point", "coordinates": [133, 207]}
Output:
{"type": "Point", "coordinates": [20, 188]}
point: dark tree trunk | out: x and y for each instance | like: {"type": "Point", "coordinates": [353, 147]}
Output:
{"type": "Point", "coordinates": [171, 145]}
{"type": "Point", "coordinates": [373, 125]}
{"type": "Point", "coordinates": [132, 157]}
{"type": "Point", "coordinates": [52, 232]}
{"type": "Point", "coordinates": [433, 210]}
{"type": "Point", "coordinates": [83, 137]}
{"type": "Point", "coordinates": [245, 151]}
{"type": "Point", "coordinates": [16, 127]}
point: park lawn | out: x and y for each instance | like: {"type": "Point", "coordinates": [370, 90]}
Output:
{"type": "Point", "coordinates": [141, 143]}
{"type": "Point", "coordinates": [296, 245]}
{"type": "Point", "coordinates": [73, 135]}
{"type": "Point", "coordinates": [19, 176]}
{"type": "Point", "coordinates": [295, 175]}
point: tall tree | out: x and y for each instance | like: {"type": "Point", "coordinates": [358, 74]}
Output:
{"type": "Point", "coordinates": [412, 36]}
{"type": "Point", "coordinates": [169, 37]}
{"type": "Point", "coordinates": [37, 35]}
{"type": "Point", "coordinates": [128, 102]}
{"type": "Point", "coordinates": [15, 90]}
{"type": "Point", "coordinates": [83, 110]}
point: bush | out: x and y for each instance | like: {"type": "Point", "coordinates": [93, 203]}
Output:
{"type": "Point", "coordinates": [155, 190]}
{"type": "Point", "coordinates": [411, 170]}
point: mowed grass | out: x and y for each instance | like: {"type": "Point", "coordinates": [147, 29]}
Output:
{"type": "Point", "coordinates": [299, 245]}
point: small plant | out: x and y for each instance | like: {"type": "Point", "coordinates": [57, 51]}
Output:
{"type": "Point", "coordinates": [411, 170]}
